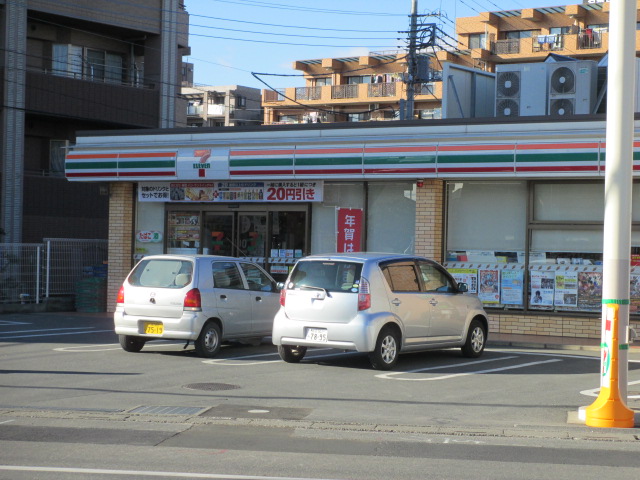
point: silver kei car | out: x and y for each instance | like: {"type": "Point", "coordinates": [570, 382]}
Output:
{"type": "Point", "coordinates": [205, 299]}
{"type": "Point", "coordinates": [383, 304]}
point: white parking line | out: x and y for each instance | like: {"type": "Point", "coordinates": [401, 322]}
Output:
{"type": "Point", "coordinates": [110, 346]}
{"type": "Point", "coordinates": [54, 334]}
{"type": "Point", "coordinates": [387, 376]}
{"type": "Point", "coordinates": [44, 330]}
{"type": "Point", "coordinates": [11, 322]}
{"type": "Point", "coordinates": [230, 362]}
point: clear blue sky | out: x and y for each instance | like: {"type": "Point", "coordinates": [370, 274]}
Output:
{"type": "Point", "coordinates": [229, 39]}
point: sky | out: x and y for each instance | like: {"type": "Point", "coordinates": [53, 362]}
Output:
{"type": "Point", "coordinates": [229, 39]}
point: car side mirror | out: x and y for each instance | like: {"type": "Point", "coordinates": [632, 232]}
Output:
{"type": "Point", "coordinates": [463, 287]}
{"type": "Point", "coordinates": [279, 286]}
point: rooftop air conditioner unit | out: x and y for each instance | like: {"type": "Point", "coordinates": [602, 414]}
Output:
{"type": "Point", "coordinates": [572, 87]}
{"type": "Point", "coordinates": [521, 90]}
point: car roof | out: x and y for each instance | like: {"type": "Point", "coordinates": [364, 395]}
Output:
{"type": "Point", "coordinates": [362, 256]}
{"type": "Point", "coordinates": [192, 257]}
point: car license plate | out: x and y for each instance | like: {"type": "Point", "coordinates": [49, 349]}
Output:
{"type": "Point", "coordinates": [317, 335]}
{"type": "Point", "coordinates": [153, 328]}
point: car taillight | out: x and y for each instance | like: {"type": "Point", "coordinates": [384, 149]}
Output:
{"type": "Point", "coordinates": [120, 297]}
{"type": "Point", "coordinates": [283, 296]}
{"type": "Point", "coordinates": [364, 295]}
{"type": "Point", "coordinates": [192, 299]}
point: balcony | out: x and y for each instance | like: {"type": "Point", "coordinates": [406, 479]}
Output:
{"type": "Point", "coordinates": [308, 93]}
{"type": "Point", "coordinates": [382, 89]}
{"type": "Point", "coordinates": [344, 91]}
{"type": "Point", "coordinates": [548, 43]}
{"type": "Point", "coordinates": [505, 47]}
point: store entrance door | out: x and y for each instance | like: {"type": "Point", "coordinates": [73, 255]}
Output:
{"type": "Point", "coordinates": [252, 234]}
{"type": "Point", "coordinates": [218, 234]}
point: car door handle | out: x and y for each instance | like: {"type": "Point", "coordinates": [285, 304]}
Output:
{"type": "Point", "coordinates": [433, 302]}
{"type": "Point", "coordinates": [396, 302]}
{"type": "Point", "coordinates": [223, 297]}
{"type": "Point", "coordinates": [258, 299]}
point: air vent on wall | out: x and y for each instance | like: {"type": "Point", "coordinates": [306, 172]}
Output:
{"type": "Point", "coordinates": [561, 107]}
{"type": "Point", "coordinates": [507, 108]}
{"type": "Point", "coordinates": [563, 80]}
{"type": "Point", "coordinates": [508, 84]}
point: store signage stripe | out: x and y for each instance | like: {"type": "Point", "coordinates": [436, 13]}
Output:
{"type": "Point", "coordinates": [567, 168]}
{"type": "Point", "coordinates": [329, 161]}
{"type": "Point", "coordinates": [474, 169]}
{"type": "Point", "coordinates": [327, 151]}
{"type": "Point", "coordinates": [559, 146]}
{"type": "Point", "coordinates": [92, 175]}
{"type": "Point", "coordinates": [260, 172]}
{"type": "Point", "coordinates": [474, 148]}
{"type": "Point", "coordinates": [147, 174]}
{"type": "Point", "coordinates": [271, 162]}
{"type": "Point", "coordinates": [91, 165]}
{"type": "Point", "coordinates": [315, 171]}
{"type": "Point", "coordinates": [424, 170]}
{"type": "Point", "coordinates": [260, 153]}
{"type": "Point", "coordinates": [414, 160]}
{"type": "Point", "coordinates": [149, 155]}
{"type": "Point", "coordinates": [475, 159]}
{"type": "Point", "coordinates": [557, 157]}
{"type": "Point", "coordinates": [89, 156]}
{"type": "Point", "coordinates": [399, 149]}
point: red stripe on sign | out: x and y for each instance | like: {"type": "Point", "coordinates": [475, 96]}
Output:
{"type": "Point", "coordinates": [261, 172]}
{"type": "Point", "coordinates": [147, 174]}
{"type": "Point", "coordinates": [92, 175]}
{"type": "Point", "coordinates": [84, 156]}
{"type": "Point", "coordinates": [399, 149]}
{"type": "Point", "coordinates": [574, 168]}
{"type": "Point", "coordinates": [399, 170]}
{"type": "Point", "coordinates": [255, 153]}
{"type": "Point", "coordinates": [474, 148]}
{"type": "Point", "coordinates": [557, 146]}
{"type": "Point", "coordinates": [321, 151]}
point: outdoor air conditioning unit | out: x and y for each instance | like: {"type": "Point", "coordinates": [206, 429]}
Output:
{"type": "Point", "coordinates": [572, 87]}
{"type": "Point", "coordinates": [521, 90]}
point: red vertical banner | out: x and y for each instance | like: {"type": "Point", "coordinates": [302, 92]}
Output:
{"type": "Point", "coordinates": [349, 230]}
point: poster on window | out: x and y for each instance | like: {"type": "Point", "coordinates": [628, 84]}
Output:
{"type": "Point", "coordinates": [489, 285]}
{"type": "Point", "coordinates": [590, 291]}
{"type": "Point", "coordinates": [466, 275]}
{"type": "Point", "coordinates": [634, 291]}
{"type": "Point", "coordinates": [542, 288]}
{"type": "Point", "coordinates": [512, 282]}
{"type": "Point", "coordinates": [566, 289]}
{"type": "Point", "coordinates": [349, 229]}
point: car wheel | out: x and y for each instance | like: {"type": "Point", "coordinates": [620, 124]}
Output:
{"type": "Point", "coordinates": [292, 353]}
{"type": "Point", "coordinates": [385, 356]}
{"type": "Point", "coordinates": [476, 339]}
{"type": "Point", "coordinates": [130, 343]}
{"type": "Point", "coordinates": [208, 343]}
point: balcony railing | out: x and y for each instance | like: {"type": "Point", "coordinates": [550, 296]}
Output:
{"type": "Point", "coordinates": [504, 47]}
{"type": "Point", "coordinates": [344, 91]}
{"type": "Point", "coordinates": [382, 89]}
{"type": "Point", "coordinates": [274, 96]}
{"type": "Point", "coordinates": [589, 39]}
{"type": "Point", "coordinates": [308, 93]}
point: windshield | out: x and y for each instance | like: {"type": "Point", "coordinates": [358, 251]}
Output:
{"type": "Point", "coordinates": [330, 276]}
{"type": "Point", "coordinates": [167, 273]}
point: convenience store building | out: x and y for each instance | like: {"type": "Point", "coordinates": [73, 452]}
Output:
{"type": "Point", "coordinates": [514, 209]}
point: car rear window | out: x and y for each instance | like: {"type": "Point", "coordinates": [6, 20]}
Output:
{"type": "Point", "coordinates": [331, 276]}
{"type": "Point", "coordinates": [165, 273]}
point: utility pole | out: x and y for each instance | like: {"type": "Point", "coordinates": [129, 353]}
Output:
{"type": "Point", "coordinates": [412, 61]}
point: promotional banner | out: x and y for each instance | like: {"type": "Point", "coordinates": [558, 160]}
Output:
{"type": "Point", "coordinates": [349, 230]}
{"type": "Point", "coordinates": [489, 285]}
{"type": "Point", "coordinates": [590, 291]}
{"type": "Point", "coordinates": [466, 275]}
{"type": "Point", "coordinates": [542, 288]}
{"type": "Point", "coordinates": [566, 289]}
{"type": "Point", "coordinates": [512, 286]}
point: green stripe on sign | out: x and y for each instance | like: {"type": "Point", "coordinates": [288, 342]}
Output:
{"type": "Point", "coordinates": [475, 158]}
{"type": "Point", "coordinates": [557, 157]}
{"type": "Point", "coordinates": [616, 301]}
{"type": "Point", "coordinates": [90, 165]}
{"type": "Point", "coordinates": [308, 162]}
{"type": "Point", "coordinates": [400, 160]}
{"type": "Point", "coordinates": [147, 164]}
{"type": "Point", "coordinates": [267, 162]}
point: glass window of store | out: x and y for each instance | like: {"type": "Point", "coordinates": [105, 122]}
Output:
{"type": "Point", "coordinates": [497, 231]}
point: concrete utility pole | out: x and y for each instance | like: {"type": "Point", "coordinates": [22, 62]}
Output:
{"type": "Point", "coordinates": [609, 410]}
{"type": "Point", "coordinates": [412, 61]}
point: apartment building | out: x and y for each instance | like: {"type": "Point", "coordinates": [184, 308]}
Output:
{"type": "Point", "coordinates": [346, 89]}
{"type": "Point", "coordinates": [222, 106]}
{"type": "Point", "coordinates": [78, 65]}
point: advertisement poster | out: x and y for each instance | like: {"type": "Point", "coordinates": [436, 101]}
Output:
{"type": "Point", "coordinates": [566, 289]}
{"type": "Point", "coordinates": [590, 291]}
{"type": "Point", "coordinates": [349, 231]}
{"type": "Point", "coordinates": [542, 288]}
{"type": "Point", "coordinates": [512, 286]}
{"type": "Point", "coordinates": [466, 275]}
{"type": "Point", "coordinates": [489, 285]}
{"type": "Point", "coordinates": [635, 294]}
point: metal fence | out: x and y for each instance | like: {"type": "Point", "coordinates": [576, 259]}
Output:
{"type": "Point", "coordinates": [31, 272]}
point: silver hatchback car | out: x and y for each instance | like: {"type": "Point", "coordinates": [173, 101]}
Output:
{"type": "Point", "coordinates": [383, 304]}
{"type": "Point", "coordinates": [201, 298]}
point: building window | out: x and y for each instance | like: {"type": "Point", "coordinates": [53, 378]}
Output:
{"type": "Point", "coordinates": [518, 34]}
{"type": "Point", "coordinates": [57, 153]}
{"type": "Point", "coordinates": [241, 102]}
{"type": "Point", "coordinates": [356, 79]}
{"type": "Point", "coordinates": [321, 82]}
{"type": "Point", "coordinates": [477, 40]}
{"type": "Point", "coordinates": [88, 64]}
{"type": "Point", "coordinates": [358, 117]}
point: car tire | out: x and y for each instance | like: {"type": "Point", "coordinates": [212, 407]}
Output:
{"type": "Point", "coordinates": [130, 343]}
{"type": "Point", "coordinates": [208, 342]}
{"type": "Point", "coordinates": [476, 340]}
{"type": "Point", "coordinates": [292, 353]}
{"type": "Point", "coordinates": [385, 355]}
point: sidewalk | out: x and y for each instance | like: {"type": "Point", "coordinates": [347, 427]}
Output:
{"type": "Point", "coordinates": [549, 342]}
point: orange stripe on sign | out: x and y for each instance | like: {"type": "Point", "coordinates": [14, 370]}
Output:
{"type": "Point", "coordinates": [399, 149]}
{"type": "Point", "coordinates": [474, 148]}
{"type": "Point", "coordinates": [255, 153]}
{"type": "Point", "coordinates": [84, 156]}
{"type": "Point", "coordinates": [557, 146]}
{"type": "Point", "coordinates": [148, 155]}
{"type": "Point", "coordinates": [321, 151]}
